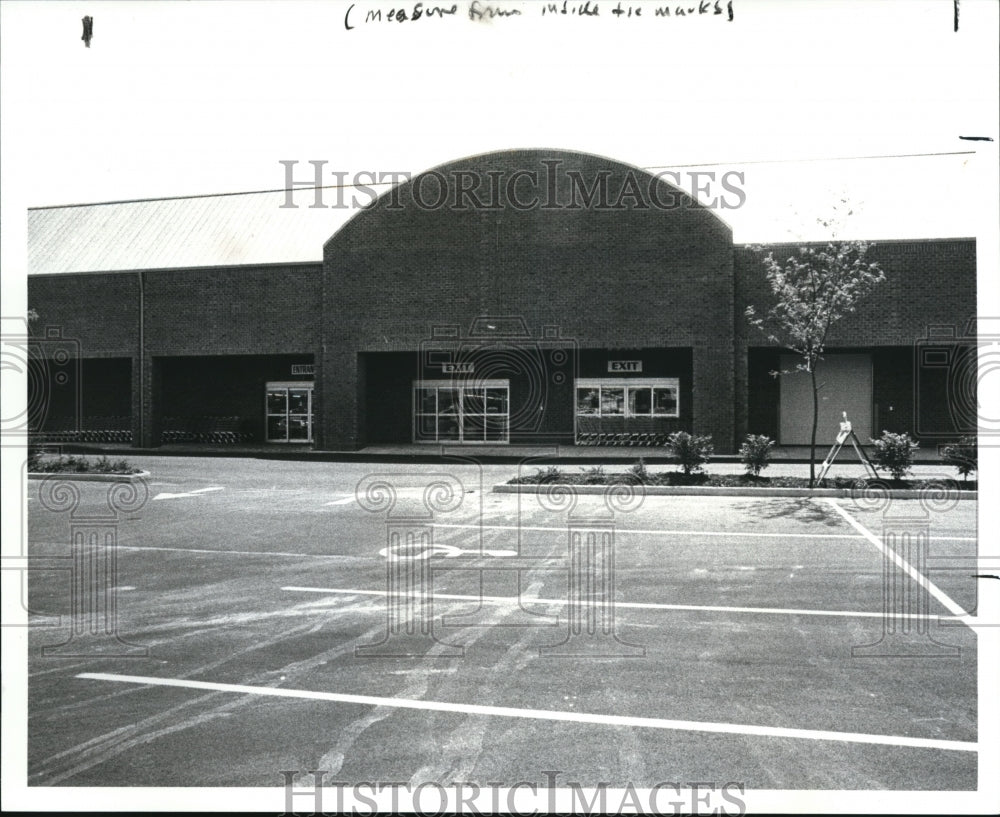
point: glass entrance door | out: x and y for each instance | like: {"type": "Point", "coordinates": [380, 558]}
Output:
{"type": "Point", "coordinates": [289, 412]}
{"type": "Point", "coordinates": [445, 412]}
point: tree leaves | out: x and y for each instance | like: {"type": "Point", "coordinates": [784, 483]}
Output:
{"type": "Point", "coordinates": [813, 290]}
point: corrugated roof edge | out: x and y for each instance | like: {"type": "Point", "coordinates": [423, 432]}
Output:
{"type": "Point", "coordinates": [282, 264]}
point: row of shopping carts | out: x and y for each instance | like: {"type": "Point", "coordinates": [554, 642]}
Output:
{"type": "Point", "coordinates": [91, 429]}
{"type": "Point", "coordinates": [623, 438]}
{"type": "Point", "coordinates": [218, 430]}
{"type": "Point", "coordinates": [89, 435]}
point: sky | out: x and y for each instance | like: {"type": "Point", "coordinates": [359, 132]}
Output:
{"type": "Point", "coordinates": [812, 100]}
{"type": "Point", "coordinates": [176, 99]}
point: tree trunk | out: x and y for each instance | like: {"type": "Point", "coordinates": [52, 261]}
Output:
{"type": "Point", "coordinates": [812, 439]}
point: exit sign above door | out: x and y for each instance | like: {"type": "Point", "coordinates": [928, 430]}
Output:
{"type": "Point", "coordinates": [624, 365]}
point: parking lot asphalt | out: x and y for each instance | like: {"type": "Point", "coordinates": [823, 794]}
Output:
{"type": "Point", "coordinates": [403, 623]}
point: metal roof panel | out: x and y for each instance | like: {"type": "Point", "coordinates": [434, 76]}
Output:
{"type": "Point", "coordinates": [202, 231]}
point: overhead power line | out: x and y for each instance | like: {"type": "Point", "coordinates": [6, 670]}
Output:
{"type": "Point", "coordinates": [299, 188]}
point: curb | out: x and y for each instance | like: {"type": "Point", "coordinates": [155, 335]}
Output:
{"type": "Point", "coordinates": [696, 490]}
{"type": "Point", "coordinates": [595, 456]}
{"type": "Point", "coordinates": [88, 477]}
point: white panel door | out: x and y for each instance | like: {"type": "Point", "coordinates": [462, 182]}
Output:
{"type": "Point", "coordinates": [847, 386]}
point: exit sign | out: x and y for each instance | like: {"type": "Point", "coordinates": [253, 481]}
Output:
{"type": "Point", "coordinates": [457, 368]}
{"type": "Point", "coordinates": [624, 365]}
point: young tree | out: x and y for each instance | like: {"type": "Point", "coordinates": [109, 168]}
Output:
{"type": "Point", "coordinates": [812, 291]}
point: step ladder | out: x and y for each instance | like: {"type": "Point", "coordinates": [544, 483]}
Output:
{"type": "Point", "coordinates": [846, 433]}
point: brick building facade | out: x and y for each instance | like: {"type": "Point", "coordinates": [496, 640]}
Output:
{"type": "Point", "coordinates": [566, 306]}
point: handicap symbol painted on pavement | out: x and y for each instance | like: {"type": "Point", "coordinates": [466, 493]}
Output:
{"type": "Point", "coordinates": [422, 551]}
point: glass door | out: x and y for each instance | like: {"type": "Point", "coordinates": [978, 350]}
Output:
{"type": "Point", "coordinates": [444, 412]}
{"type": "Point", "coordinates": [289, 412]}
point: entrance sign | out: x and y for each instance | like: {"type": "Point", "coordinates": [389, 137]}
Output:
{"type": "Point", "coordinates": [303, 368]}
{"type": "Point", "coordinates": [624, 365]}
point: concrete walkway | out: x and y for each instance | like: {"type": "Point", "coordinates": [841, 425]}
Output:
{"type": "Point", "coordinates": [786, 461]}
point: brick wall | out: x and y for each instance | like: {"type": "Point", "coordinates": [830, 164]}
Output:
{"type": "Point", "coordinates": [246, 310]}
{"type": "Point", "coordinates": [620, 279]}
{"type": "Point", "coordinates": [608, 279]}
{"type": "Point", "coordinates": [927, 282]}
{"type": "Point", "coordinates": [99, 311]}
{"type": "Point", "coordinates": [270, 309]}
{"type": "Point", "coordinates": [931, 282]}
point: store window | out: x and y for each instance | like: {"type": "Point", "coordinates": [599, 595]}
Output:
{"type": "Point", "coordinates": [640, 400]}
{"type": "Point", "coordinates": [449, 413]}
{"type": "Point", "coordinates": [612, 400]}
{"type": "Point", "coordinates": [666, 401]}
{"type": "Point", "coordinates": [628, 397]}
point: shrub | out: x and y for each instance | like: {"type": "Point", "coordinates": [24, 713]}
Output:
{"type": "Point", "coordinates": [34, 458]}
{"type": "Point", "coordinates": [690, 451]}
{"type": "Point", "coordinates": [638, 472]}
{"type": "Point", "coordinates": [102, 465]}
{"type": "Point", "coordinates": [80, 465]}
{"type": "Point", "coordinates": [594, 476]}
{"type": "Point", "coordinates": [964, 456]}
{"type": "Point", "coordinates": [755, 453]}
{"type": "Point", "coordinates": [42, 466]}
{"type": "Point", "coordinates": [121, 466]}
{"type": "Point", "coordinates": [894, 453]}
{"type": "Point", "coordinates": [550, 474]}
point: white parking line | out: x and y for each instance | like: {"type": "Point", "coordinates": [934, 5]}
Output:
{"type": "Point", "coordinates": [783, 611]}
{"type": "Point", "coordinates": [954, 608]}
{"type": "Point", "coordinates": [662, 532]}
{"type": "Point", "coordinates": [196, 492]}
{"type": "Point", "coordinates": [545, 714]}
{"type": "Point", "coordinates": [297, 555]}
